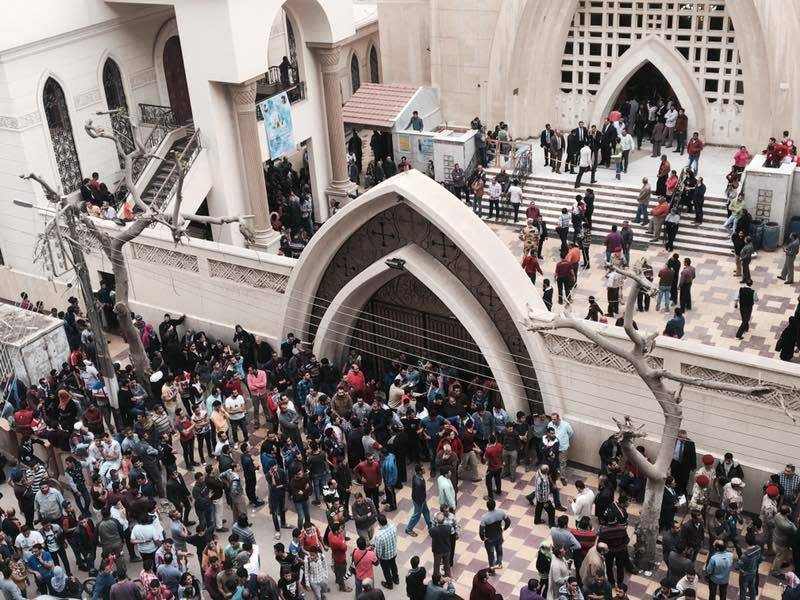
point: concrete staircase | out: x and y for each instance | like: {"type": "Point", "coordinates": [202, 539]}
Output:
{"type": "Point", "coordinates": [615, 203]}
{"type": "Point", "coordinates": [163, 176]}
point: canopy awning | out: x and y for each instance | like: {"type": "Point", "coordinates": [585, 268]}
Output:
{"type": "Point", "coordinates": [377, 104]}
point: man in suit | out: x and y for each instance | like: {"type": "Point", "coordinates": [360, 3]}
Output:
{"type": "Point", "coordinates": [544, 141]}
{"type": "Point", "coordinates": [595, 141]}
{"type": "Point", "coordinates": [684, 461]}
{"type": "Point", "coordinates": [556, 150]}
{"type": "Point", "coordinates": [581, 133]}
{"type": "Point", "coordinates": [572, 153]}
{"type": "Point", "coordinates": [609, 136]}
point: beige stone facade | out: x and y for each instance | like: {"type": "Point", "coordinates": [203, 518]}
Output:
{"type": "Point", "coordinates": [528, 62]}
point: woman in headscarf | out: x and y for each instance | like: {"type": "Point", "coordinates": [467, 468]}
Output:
{"type": "Point", "coordinates": [246, 341]}
{"type": "Point", "coordinates": [543, 561]}
{"type": "Point", "coordinates": [67, 410]}
{"type": "Point", "coordinates": [787, 342]}
{"type": "Point", "coordinates": [560, 571]}
{"type": "Point", "coordinates": [792, 589]}
{"type": "Point", "coordinates": [481, 588]}
{"type": "Point", "coordinates": [62, 586]}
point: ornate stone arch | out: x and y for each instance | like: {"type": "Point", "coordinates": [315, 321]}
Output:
{"type": "Point", "coordinates": [168, 30]}
{"type": "Point", "coordinates": [671, 65]}
{"type": "Point", "coordinates": [410, 209]}
{"type": "Point", "coordinates": [70, 158]}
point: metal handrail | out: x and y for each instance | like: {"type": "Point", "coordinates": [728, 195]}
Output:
{"type": "Point", "coordinates": [156, 114]}
{"type": "Point", "coordinates": [164, 194]}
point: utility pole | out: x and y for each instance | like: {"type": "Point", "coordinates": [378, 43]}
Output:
{"type": "Point", "coordinates": [104, 363]}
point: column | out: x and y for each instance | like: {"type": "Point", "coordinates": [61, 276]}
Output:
{"type": "Point", "coordinates": [340, 185]}
{"type": "Point", "coordinates": [244, 104]}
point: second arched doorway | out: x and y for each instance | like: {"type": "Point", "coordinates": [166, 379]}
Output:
{"type": "Point", "coordinates": [175, 75]}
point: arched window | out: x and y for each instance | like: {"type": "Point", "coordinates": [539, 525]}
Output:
{"type": "Point", "coordinates": [290, 41]}
{"type": "Point", "coordinates": [116, 100]}
{"type": "Point", "coordinates": [374, 68]}
{"type": "Point", "coordinates": [355, 73]}
{"type": "Point", "coordinates": [58, 122]}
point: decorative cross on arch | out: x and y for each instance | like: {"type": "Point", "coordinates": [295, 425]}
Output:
{"type": "Point", "coordinates": [383, 234]}
{"type": "Point", "coordinates": [489, 295]}
{"type": "Point", "coordinates": [445, 243]}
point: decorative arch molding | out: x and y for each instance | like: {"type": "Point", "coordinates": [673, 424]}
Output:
{"type": "Point", "coordinates": [168, 29]}
{"type": "Point", "coordinates": [107, 54]}
{"type": "Point", "coordinates": [478, 248]}
{"type": "Point", "coordinates": [672, 66]}
{"type": "Point", "coordinates": [340, 317]}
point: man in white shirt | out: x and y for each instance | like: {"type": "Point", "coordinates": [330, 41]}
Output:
{"type": "Point", "coordinates": [515, 197]}
{"type": "Point", "coordinates": [495, 189]}
{"type": "Point", "coordinates": [626, 142]}
{"type": "Point", "coordinates": [584, 163]}
{"type": "Point", "coordinates": [234, 406]}
{"type": "Point", "coordinates": [27, 539]}
{"type": "Point", "coordinates": [670, 118]}
{"type": "Point", "coordinates": [583, 504]}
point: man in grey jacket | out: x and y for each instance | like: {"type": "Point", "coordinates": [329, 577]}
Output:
{"type": "Point", "coordinates": [790, 250]}
{"type": "Point", "coordinates": [47, 503]}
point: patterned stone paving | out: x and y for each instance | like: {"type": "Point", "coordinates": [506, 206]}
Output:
{"type": "Point", "coordinates": [713, 320]}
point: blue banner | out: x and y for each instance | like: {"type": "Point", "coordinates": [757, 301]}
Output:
{"type": "Point", "coordinates": [277, 113]}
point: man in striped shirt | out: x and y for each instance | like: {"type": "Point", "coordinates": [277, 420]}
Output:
{"type": "Point", "coordinates": [315, 573]}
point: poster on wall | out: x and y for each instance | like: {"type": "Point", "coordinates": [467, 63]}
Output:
{"type": "Point", "coordinates": [277, 112]}
{"type": "Point", "coordinates": [404, 143]}
{"type": "Point", "coordinates": [426, 147]}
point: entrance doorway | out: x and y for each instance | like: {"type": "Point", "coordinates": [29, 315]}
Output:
{"type": "Point", "coordinates": [649, 84]}
{"type": "Point", "coordinates": [175, 74]}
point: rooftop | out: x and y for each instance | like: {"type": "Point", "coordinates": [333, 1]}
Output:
{"type": "Point", "coordinates": [377, 104]}
{"type": "Point", "coordinates": [18, 325]}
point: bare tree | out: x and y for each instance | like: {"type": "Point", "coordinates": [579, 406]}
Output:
{"type": "Point", "coordinates": [113, 243]}
{"type": "Point", "coordinates": [668, 399]}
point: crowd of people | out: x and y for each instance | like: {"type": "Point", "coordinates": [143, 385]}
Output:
{"type": "Point", "coordinates": [339, 444]}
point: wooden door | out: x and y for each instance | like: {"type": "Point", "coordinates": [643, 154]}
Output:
{"type": "Point", "coordinates": [175, 75]}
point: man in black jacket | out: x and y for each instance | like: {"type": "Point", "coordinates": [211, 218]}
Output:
{"type": "Point", "coordinates": [684, 461]}
{"type": "Point", "coordinates": [441, 544]}
{"type": "Point", "coordinates": [544, 141]}
{"type": "Point", "coordinates": [277, 484]}
{"type": "Point", "coordinates": [249, 469]}
{"type": "Point", "coordinates": [415, 580]}
{"type": "Point", "coordinates": [179, 495]}
{"type": "Point", "coordinates": [419, 497]}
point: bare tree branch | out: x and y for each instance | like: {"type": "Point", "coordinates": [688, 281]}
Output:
{"type": "Point", "coordinates": [49, 192]}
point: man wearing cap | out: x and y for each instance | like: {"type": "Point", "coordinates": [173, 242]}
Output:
{"type": "Point", "coordinates": [700, 494]}
{"type": "Point", "coordinates": [733, 491]}
{"type": "Point", "coordinates": [684, 461]}
{"type": "Point", "coordinates": [769, 510]}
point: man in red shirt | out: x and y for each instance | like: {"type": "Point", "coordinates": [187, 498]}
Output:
{"type": "Point", "coordinates": [336, 540]}
{"type": "Point", "coordinates": [693, 149]}
{"type": "Point", "coordinates": [494, 466]}
{"type": "Point", "coordinates": [565, 279]}
{"type": "Point", "coordinates": [531, 266]}
{"type": "Point", "coordinates": [369, 474]}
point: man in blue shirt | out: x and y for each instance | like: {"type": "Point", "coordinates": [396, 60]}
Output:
{"type": "Point", "coordinates": [564, 433]}
{"type": "Point", "coordinates": [432, 426]}
{"type": "Point", "coordinates": [41, 565]}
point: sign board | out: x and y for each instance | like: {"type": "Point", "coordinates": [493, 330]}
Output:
{"type": "Point", "coordinates": [277, 113]}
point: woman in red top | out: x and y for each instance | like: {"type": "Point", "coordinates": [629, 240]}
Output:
{"type": "Point", "coordinates": [672, 182]}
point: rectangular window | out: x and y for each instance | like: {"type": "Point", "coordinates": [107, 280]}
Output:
{"type": "Point", "coordinates": [697, 54]}
{"type": "Point", "coordinates": [740, 87]}
{"type": "Point", "coordinates": [712, 85]}
{"type": "Point", "coordinates": [684, 51]}
{"type": "Point", "coordinates": [716, 23]}
{"type": "Point", "coordinates": [596, 19]}
{"type": "Point", "coordinates": [684, 22]}
{"type": "Point", "coordinates": [625, 20]}
{"type": "Point", "coordinates": [566, 76]}
{"type": "Point", "coordinates": [568, 48]}
{"type": "Point", "coordinates": [594, 78]}
{"type": "Point", "coordinates": [726, 87]}
{"type": "Point", "coordinates": [610, 19]}
{"type": "Point", "coordinates": [713, 54]}
{"type": "Point", "coordinates": [729, 56]}
{"type": "Point", "coordinates": [595, 49]}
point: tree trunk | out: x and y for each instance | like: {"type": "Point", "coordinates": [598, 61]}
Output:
{"type": "Point", "coordinates": [647, 529]}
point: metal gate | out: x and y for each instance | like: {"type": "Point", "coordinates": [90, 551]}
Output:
{"type": "Point", "coordinates": [385, 331]}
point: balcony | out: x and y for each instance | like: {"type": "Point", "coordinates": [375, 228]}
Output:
{"type": "Point", "coordinates": [272, 83]}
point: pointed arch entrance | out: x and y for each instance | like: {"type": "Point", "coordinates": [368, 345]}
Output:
{"type": "Point", "coordinates": [670, 64]}
{"type": "Point", "coordinates": [61, 137]}
{"type": "Point", "coordinates": [175, 75]}
{"type": "Point", "coordinates": [410, 231]}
